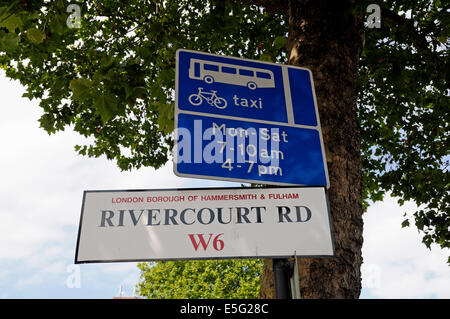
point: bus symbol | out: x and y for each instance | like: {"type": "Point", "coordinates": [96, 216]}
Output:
{"type": "Point", "coordinates": [210, 72]}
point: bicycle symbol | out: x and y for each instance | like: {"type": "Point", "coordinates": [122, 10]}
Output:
{"type": "Point", "coordinates": [210, 97]}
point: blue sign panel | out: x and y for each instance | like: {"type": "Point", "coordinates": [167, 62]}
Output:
{"type": "Point", "coordinates": [246, 120]}
{"type": "Point", "coordinates": [242, 150]}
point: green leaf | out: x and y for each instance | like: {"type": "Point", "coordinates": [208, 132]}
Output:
{"type": "Point", "coordinates": [58, 24]}
{"type": "Point", "coordinates": [442, 38]}
{"type": "Point", "coordinates": [107, 62]}
{"type": "Point", "coordinates": [279, 42]}
{"type": "Point", "coordinates": [11, 23]}
{"type": "Point", "coordinates": [167, 76]}
{"type": "Point", "coordinates": [80, 88]}
{"type": "Point", "coordinates": [419, 223]}
{"type": "Point", "coordinates": [28, 95]}
{"type": "Point", "coordinates": [165, 117]}
{"type": "Point", "coordinates": [265, 57]}
{"type": "Point", "coordinates": [9, 42]}
{"type": "Point", "coordinates": [47, 122]}
{"type": "Point", "coordinates": [35, 35]}
{"type": "Point", "coordinates": [135, 92]}
{"type": "Point", "coordinates": [405, 223]}
{"type": "Point", "coordinates": [363, 52]}
{"type": "Point", "coordinates": [4, 11]}
{"type": "Point", "coordinates": [107, 106]}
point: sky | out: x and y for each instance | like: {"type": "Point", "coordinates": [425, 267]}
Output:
{"type": "Point", "coordinates": [42, 180]}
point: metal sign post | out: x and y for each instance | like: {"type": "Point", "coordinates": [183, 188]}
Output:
{"type": "Point", "coordinates": [281, 278]}
{"type": "Point", "coordinates": [286, 279]}
{"type": "Point", "coordinates": [294, 280]}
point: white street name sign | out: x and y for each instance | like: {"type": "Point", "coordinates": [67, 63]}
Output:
{"type": "Point", "coordinates": [212, 223]}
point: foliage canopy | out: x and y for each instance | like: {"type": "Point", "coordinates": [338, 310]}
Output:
{"type": "Point", "coordinates": [205, 279]}
{"type": "Point", "coordinates": [112, 80]}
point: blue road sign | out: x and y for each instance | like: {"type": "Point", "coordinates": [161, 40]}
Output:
{"type": "Point", "coordinates": [245, 120]}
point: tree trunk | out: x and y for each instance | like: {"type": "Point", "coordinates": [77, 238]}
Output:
{"type": "Point", "coordinates": [327, 38]}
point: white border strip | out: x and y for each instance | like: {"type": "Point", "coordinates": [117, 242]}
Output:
{"type": "Point", "coordinates": [287, 96]}
{"type": "Point", "coordinates": [244, 119]}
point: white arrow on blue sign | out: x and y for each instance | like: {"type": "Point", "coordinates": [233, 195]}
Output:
{"type": "Point", "coordinates": [248, 121]}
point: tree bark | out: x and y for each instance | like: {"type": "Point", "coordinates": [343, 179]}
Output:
{"type": "Point", "coordinates": [326, 37]}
